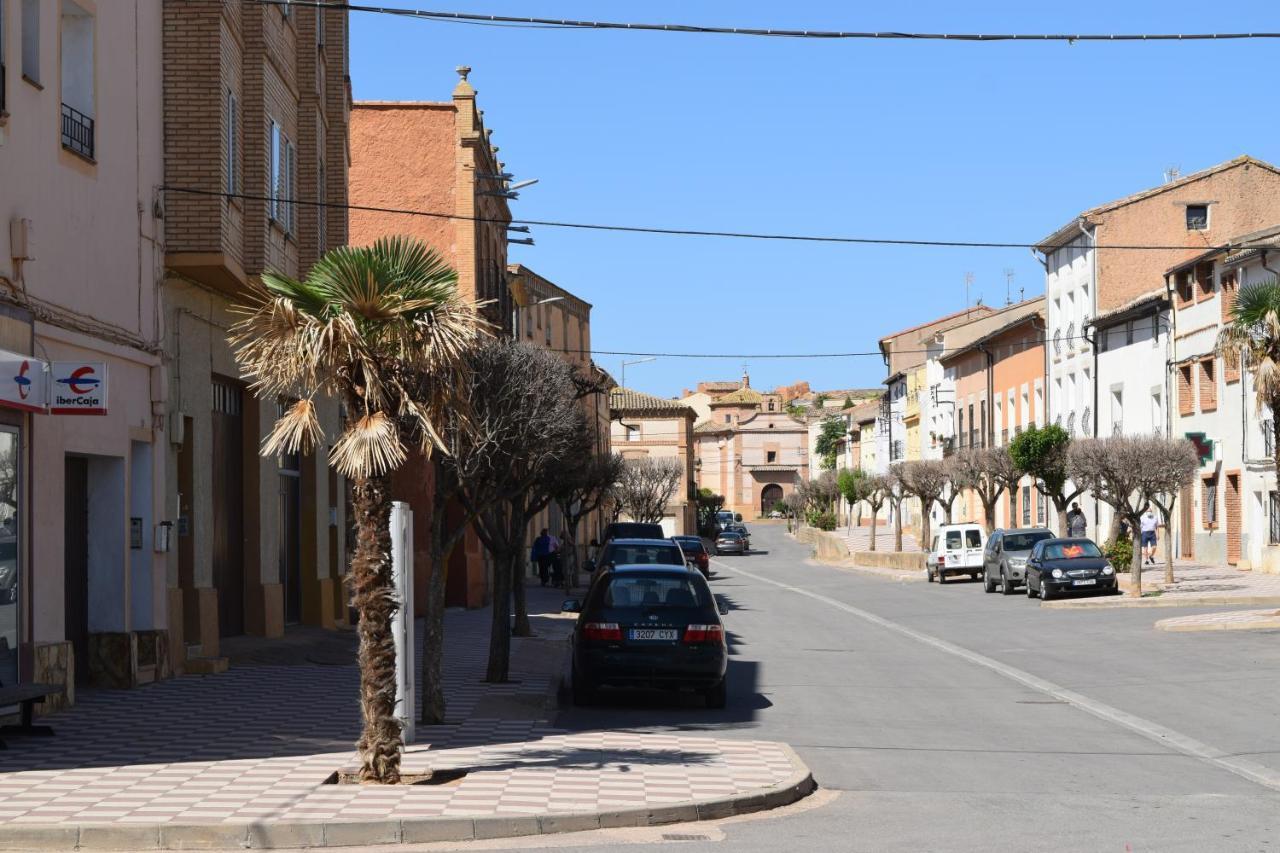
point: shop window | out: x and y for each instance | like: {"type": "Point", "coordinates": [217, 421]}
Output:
{"type": "Point", "coordinates": [10, 568]}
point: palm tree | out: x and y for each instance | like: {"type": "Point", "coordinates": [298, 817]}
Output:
{"type": "Point", "coordinates": [383, 329]}
{"type": "Point", "coordinates": [1253, 332]}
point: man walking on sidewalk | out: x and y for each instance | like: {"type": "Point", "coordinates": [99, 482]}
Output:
{"type": "Point", "coordinates": [542, 551]}
{"type": "Point", "coordinates": [1077, 524]}
{"type": "Point", "coordinates": [1150, 522]}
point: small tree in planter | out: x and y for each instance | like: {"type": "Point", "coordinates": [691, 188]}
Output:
{"type": "Point", "coordinates": [926, 479]}
{"type": "Point", "coordinates": [1042, 452]}
{"type": "Point", "coordinates": [989, 472]}
{"type": "Point", "coordinates": [853, 488]}
{"type": "Point", "coordinates": [877, 492]}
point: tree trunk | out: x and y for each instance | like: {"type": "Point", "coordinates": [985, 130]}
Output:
{"type": "Point", "coordinates": [373, 597]}
{"type": "Point", "coordinates": [518, 581]}
{"type": "Point", "coordinates": [1135, 566]}
{"type": "Point", "coordinates": [989, 513]}
{"type": "Point", "coordinates": [500, 626]}
{"type": "Point", "coordinates": [874, 511]}
{"type": "Point", "coordinates": [924, 526]}
{"type": "Point", "coordinates": [431, 679]}
{"type": "Point", "coordinates": [1166, 517]}
{"type": "Point", "coordinates": [897, 527]}
{"type": "Point", "coordinates": [1061, 507]}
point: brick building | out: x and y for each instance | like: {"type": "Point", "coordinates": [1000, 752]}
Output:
{"type": "Point", "coordinates": [645, 425]}
{"type": "Point", "coordinates": [437, 157]}
{"type": "Point", "coordinates": [256, 113]}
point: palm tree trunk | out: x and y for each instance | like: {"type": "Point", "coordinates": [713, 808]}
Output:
{"type": "Point", "coordinates": [373, 596]}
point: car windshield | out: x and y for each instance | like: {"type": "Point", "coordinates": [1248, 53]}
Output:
{"type": "Point", "coordinates": [1023, 541]}
{"type": "Point", "coordinates": [1071, 551]}
{"type": "Point", "coordinates": [648, 592]}
{"type": "Point", "coordinates": [659, 553]}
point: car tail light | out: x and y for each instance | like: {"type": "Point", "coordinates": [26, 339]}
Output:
{"type": "Point", "coordinates": [704, 634]}
{"type": "Point", "coordinates": [942, 560]}
{"type": "Point", "coordinates": [703, 560]}
{"type": "Point", "coordinates": [602, 631]}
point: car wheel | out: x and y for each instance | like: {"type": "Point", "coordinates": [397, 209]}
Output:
{"type": "Point", "coordinates": [928, 574]}
{"type": "Point", "coordinates": [988, 585]}
{"type": "Point", "coordinates": [1045, 594]}
{"type": "Point", "coordinates": [1006, 585]}
{"type": "Point", "coordinates": [717, 697]}
{"type": "Point", "coordinates": [583, 693]}
{"type": "Point", "coordinates": [1031, 592]}
{"type": "Point", "coordinates": [942, 576]}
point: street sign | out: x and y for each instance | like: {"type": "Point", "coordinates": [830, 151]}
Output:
{"type": "Point", "coordinates": [78, 388]}
{"type": "Point", "coordinates": [23, 382]}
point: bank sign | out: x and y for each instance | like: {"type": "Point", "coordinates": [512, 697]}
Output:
{"type": "Point", "coordinates": [55, 388]}
{"type": "Point", "coordinates": [77, 388]}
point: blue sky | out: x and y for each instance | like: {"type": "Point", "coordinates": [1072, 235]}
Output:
{"type": "Point", "coordinates": [883, 139]}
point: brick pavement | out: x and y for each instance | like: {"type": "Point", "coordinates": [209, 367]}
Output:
{"type": "Point", "coordinates": [254, 746]}
{"type": "Point", "coordinates": [1227, 620]}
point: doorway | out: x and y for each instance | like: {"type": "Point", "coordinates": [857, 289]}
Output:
{"type": "Point", "coordinates": [769, 495]}
{"type": "Point", "coordinates": [76, 562]}
{"type": "Point", "coordinates": [228, 505]}
{"type": "Point", "coordinates": [12, 583]}
{"type": "Point", "coordinates": [1233, 518]}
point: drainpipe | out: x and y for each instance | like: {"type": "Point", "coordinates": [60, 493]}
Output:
{"type": "Point", "coordinates": [1092, 237]}
{"type": "Point", "coordinates": [1170, 361]}
{"type": "Point", "coordinates": [1044, 262]}
{"type": "Point", "coordinates": [989, 426]}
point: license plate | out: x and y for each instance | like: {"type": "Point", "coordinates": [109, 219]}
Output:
{"type": "Point", "coordinates": [1090, 582]}
{"type": "Point", "coordinates": [653, 634]}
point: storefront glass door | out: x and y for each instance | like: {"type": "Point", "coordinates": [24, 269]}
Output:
{"type": "Point", "coordinates": [10, 577]}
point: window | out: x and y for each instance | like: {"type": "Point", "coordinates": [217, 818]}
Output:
{"type": "Point", "coordinates": [283, 165]}
{"type": "Point", "coordinates": [1204, 282]}
{"type": "Point", "coordinates": [633, 432]}
{"type": "Point", "coordinates": [1208, 386]}
{"type": "Point", "coordinates": [1197, 217]}
{"type": "Point", "coordinates": [2, 38]}
{"type": "Point", "coordinates": [31, 40]}
{"type": "Point", "coordinates": [1157, 411]}
{"type": "Point", "coordinates": [233, 146]}
{"type": "Point", "coordinates": [77, 79]}
{"type": "Point", "coordinates": [771, 456]}
{"type": "Point", "coordinates": [12, 522]}
{"type": "Point", "coordinates": [1026, 506]}
{"type": "Point", "coordinates": [320, 26]}
{"type": "Point", "coordinates": [960, 431]}
{"type": "Point", "coordinates": [1117, 411]}
{"type": "Point", "coordinates": [1128, 333]}
{"type": "Point", "coordinates": [1268, 438]}
{"type": "Point", "coordinates": [1186, 288]}
{"type": "Point", "coordinates": [273, 167]}
{"type": "Point", "coordinates": [1186, 400]}
{"type": "Point", "coordinates": [728, 419]}
{"type": "Point", "coordinates": [771, 405]}
{"type": "Point", "coordinates": [983, 437]}
{"type": "Point", "coordinates": [1209, 501]}
{"type": "Point", "coordinates": [1275, 517]}
{"type": "Point", "coordinates": [973, 428]}
{"type": "Point", "coordinates": [322, 212]}
{"type": "Point", "coordinates": [1041, 500]}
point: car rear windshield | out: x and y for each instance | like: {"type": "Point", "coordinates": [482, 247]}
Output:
{"type": "Point", "coordinates": [731, 534]}
{"type": "Point", "coordinates": [1023, 541]}
{"type": "Point", "coordinates": [972, 538]}
{"type": "Point", "coordinates": [635, 530]}
{"type": "Point", "coordinates": [1071, 550]}
{"type": "Point", "coordinates": [649, 592]}
{"type": "Point", "coordinates": [691, 545]}
{"type": "Point", "coordinates": [659, 553]}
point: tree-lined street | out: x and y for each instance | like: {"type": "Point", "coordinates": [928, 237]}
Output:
{"type": "Point", "coordinates": [932, 749]}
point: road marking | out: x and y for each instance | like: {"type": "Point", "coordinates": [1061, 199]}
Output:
{"type": "Point", "coordinates": [1243, 767]}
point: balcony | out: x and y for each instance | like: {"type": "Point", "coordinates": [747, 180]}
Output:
{"type": "Point", "coordinates": [77, 132]}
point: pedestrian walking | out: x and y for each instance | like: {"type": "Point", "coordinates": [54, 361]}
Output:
{"type": "Point", "coordinates": [1077, 524]}
{"type": "Point", "coordinates": [557, 562]}
{"type": "Point", "coordinates": [542, 555]}
{"type": "Point", "coordinates": [1150, 523]}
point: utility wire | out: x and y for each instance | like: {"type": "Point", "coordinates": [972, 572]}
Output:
{"type": "Point", "coordinates": [693, 232]}
{"type": "Point", "coordinates": [569, 23]}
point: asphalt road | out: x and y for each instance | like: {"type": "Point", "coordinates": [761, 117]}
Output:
{"type": "Point", "coordinates": [943, 718]}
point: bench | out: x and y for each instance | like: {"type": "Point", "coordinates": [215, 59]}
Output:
{"type": "Point", "coordinates": [25, 696]}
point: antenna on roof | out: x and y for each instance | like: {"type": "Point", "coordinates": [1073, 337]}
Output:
{"type": "Point", "coordinates": [968, 283]}
{"type": "Point", "coordinates": [1009, 273]}
{"type": "Point", "coordinates": [1171, 174]}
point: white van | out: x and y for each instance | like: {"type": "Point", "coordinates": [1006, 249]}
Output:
{"type": "Point", "coordinates": [957, 549]}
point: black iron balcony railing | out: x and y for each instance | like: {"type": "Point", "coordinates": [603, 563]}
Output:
{"type": "Point", "coordinates": [77, 131]}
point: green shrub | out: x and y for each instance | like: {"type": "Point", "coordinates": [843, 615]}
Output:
{"type": "Point", "coordinates": [825, 521]}
{"type": "Point", "coordinates": [1120, 552]}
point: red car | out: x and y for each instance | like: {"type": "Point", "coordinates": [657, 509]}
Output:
{"type": "Point", "coordinates": [695, 553]}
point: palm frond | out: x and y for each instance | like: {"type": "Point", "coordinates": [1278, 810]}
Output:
{"type": "Point", "coordinates": [369, 447]}
{"type": "Point", "coordinates": [296, 431]}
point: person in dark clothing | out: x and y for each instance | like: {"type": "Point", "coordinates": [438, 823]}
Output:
{"type": "Point", "coordinates": [542, 555]}
{"type": "Point", "coordinates": [1077, 524]}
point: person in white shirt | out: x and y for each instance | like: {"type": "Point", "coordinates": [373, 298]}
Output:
{"type": "Point", "coordinates": [1149, 523]}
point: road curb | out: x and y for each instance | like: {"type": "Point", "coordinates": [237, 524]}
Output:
{"type": "Point", "coordinates": [343, 833]}
{"type": "Point", "coordinates": [1260, 622]}
{"type": "Point", "coordinates": [1166, 600]}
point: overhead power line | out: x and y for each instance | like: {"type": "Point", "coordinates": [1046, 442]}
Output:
{"type": "Point", "coordinates": [570, 23]}
{"type": "Point", "coordinates": [693, 232]}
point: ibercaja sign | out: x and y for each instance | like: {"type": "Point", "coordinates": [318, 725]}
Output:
{"type": "Point", "coordinates": [78, 388]}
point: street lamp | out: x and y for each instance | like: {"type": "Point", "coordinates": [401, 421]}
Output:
{"type": "Point", "coordinates": [515, 314]}
{"type": "Point", "coordinates": [623, 381]}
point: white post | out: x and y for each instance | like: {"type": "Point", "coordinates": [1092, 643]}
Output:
{"type": "Point", "coordinates": [402, 622]}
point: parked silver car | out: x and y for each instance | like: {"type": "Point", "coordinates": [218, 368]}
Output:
{"type": "Point", "coordinates": [731, 542]}
{"type": "Point", "coordinates": [1004, 560]}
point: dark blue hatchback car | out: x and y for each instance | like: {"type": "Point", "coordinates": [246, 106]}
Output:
{"type": "Point", "coordinates": [649, 626]}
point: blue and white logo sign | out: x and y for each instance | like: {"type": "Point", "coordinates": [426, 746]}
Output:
{"type": "Point", "coordinates": [78, 388]}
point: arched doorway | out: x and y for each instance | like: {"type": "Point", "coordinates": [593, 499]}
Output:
{"type": "Point", "coordinates": [769, 496]}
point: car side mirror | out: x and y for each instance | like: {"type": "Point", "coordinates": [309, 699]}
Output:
{"type": "Point", "coordinates": [571, 605]}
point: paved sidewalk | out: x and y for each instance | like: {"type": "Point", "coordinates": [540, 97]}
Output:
{"type": "Point", "coordinates": [860, 538]}
{"type": "Point", "coordinates": [1229, 620]}
{"type": "Point", "coordinates": [241, 759]}
{"type": "Point", "coordinates": [1194, 585]}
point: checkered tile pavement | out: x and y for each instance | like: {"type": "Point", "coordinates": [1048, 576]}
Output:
{"type": "Point", "coordinates": [257, 744]}
{"type": "Point", "coordinates": [1195, 579]}
{"type": "Point", "coordinates": [1229, 620]}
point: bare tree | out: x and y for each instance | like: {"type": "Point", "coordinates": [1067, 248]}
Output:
{"type": "Point", "coordinates": [960, 480]}
{"type": "Point", "coordinates": [581, 485]}
{"type": "Point", "coordinates": [646, 486]}
{"type": "Point", "coordinates": [523, 421]}
{"type": "Point", "coordinates": [877, 492]}
{"type": "Point", "coordinates": [926, 479]}
{"type": "Point", "coordinates": [1127, 473]}
{"type": "Point", "coordinates": [896, 492]}
{"type": "Point", "coordinates": [989, 472]}
{"type": "Point", "coordinates": [1171, 465]}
